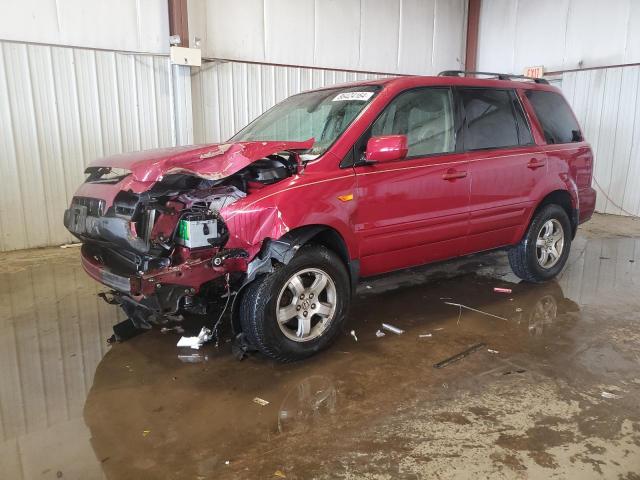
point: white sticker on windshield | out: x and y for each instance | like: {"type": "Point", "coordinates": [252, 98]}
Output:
{"type": "Point", "coordinates": [351, 96]}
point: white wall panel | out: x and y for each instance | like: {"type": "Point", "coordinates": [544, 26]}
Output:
{"type": "Point", "coordinates": [449, 26]}
{"type": "Point", "coordinates": [141, 25]}
{"type": "Point", "coordinates": [496, 35]}
{"type": "Point", "coordinates": [233, 29]}
{"type": "Point", "coordinates": [229, 95]}
{"type": "Point", "coordinates": [559, 34]}
{"type": "Point", "coordinates": [286, 41]}
{"type": "Point", "coordinates": [607, 104]}
{"type": "Point", "coordinates": [380, 34]}
{"type": "Point", "coordinates": [60, 108]}
{"type": "Point", "coordinates": [391, 36]}
{"type": "Point", "coordinates": [337, 34]}
{"type": "Point", "coordinates": [415, 47]}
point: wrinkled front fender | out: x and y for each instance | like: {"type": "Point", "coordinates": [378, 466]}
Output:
{"type": "Point", "coordinates": [307, 200]}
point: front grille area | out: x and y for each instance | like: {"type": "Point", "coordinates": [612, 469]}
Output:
{"type": "Point", "coordinates": [95, 206]}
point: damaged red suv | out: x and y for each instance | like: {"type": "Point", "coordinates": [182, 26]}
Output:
{"type": "Point", "coordinates": [330, 186]}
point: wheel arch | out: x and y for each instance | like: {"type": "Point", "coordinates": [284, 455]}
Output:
{"type": "Point", "coordinates": [284, 248]}
{"type": "Point", "coordinates": [560, 197]}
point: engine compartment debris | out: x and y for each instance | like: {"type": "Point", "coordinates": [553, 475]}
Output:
{"type": "Point", "coordinates": [203, 337]}
{"type": "Point", "coordinates": [380, 333]}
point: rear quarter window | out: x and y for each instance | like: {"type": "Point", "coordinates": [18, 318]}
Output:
{"type": "Point", "coordinates": [491, 119]}
{"type": "Point", "coordinates": [555, 116]}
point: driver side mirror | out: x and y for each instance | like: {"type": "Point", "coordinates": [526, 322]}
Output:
{"type": "Point", "coordinates": [386, 148]}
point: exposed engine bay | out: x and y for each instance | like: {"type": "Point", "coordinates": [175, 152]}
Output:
{"type": "Point", "coordinates": [162, 250]}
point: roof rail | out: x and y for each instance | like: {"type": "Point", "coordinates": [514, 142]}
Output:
{"type": "Point", "coordinates": [500, 76]}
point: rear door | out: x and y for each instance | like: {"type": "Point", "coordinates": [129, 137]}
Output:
{"type": "Point", "coordinates": [415, 210]}
{"type": "Point", "coordinates": [505, 166]}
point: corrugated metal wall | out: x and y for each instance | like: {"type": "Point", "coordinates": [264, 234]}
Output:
{"type": "Point", "coordinates": [395, 36]}
{"type": "Point", "coordinates": [60, 108]}
{"type": "Point", "coordinates": [607, 104]}
{"type": "Point", "coordinates": [228, 95]}
{"type": "Point", "coordinates": [559, 34]}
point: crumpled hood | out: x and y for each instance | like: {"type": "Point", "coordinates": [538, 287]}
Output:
{"type": "Point", "coordinates": [212, 161]}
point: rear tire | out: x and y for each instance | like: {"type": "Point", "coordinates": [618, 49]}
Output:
{"type": "Point", "coordinates": [543, 252]}
{"type": "Point", "coordinates": [299, 309]}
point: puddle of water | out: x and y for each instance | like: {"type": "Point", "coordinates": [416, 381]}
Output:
{"type": "Point", "coordinates": [71, 404]}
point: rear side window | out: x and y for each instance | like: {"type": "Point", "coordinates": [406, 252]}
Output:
{"type": "Point", "coordinates": [425, 116]}
{"type": "Point", "coordinates": [557, 121]}
{"type": "Point", "coordinates": [490, 119]}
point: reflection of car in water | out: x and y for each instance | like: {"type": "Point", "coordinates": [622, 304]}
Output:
{"type": "Point", "coordinates": [539, 307]}
{"type": "Point", "coordinates": [200, 414]}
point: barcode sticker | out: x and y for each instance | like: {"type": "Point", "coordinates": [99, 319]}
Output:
{"type": "Point", "coordinates": [351, 96]}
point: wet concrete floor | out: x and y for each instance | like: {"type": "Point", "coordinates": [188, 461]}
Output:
{"type": "Point", "coordinates": [554, 394]}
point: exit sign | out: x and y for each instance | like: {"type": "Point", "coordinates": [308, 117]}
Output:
{"type": "Point", "coordinates": [534, 72]}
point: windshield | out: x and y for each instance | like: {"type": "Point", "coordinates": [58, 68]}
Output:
{"type": "Point", "coordinates": [322, 115]}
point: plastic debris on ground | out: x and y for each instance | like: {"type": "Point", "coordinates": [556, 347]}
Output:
{"type": "Point", "coordinates": [380, 333]}
{"type": "Point", "coordinates": [279, 474]}
{"type": "Point", "coordinates": [609, 395]}
{"type": "Point", "coordinates": [492, 351]}
{"type": "Point", "coordinates": [392, 329]}
{"type": "Point", "coordinates": [425, 335]}
{"type": "Point", "coordinates": [146, 432]}
{"type": "Point", "coordinates": [353, 334]}
{"type": "Point", "coordinates": [261, 401]}
{"type": "Point", "coordinates": [71, 245]}
{"type": "Point", "coordinates": [196, 342]}
{"type": "Point", "coordinates": [502, 290]}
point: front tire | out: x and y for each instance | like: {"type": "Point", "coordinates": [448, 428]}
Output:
{"type": "Point", "coordinates": [543, 252]}
{"type": "Point", "coordinates": [299, 309]}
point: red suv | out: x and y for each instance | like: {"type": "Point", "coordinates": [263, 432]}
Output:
{"type": "Point", "coordinates": [330, 186]}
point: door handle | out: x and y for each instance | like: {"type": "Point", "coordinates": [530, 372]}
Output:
{"type": "Point", "coordinates": [453, 174]}
{"type": "Point", "coordinates": [535, 163]}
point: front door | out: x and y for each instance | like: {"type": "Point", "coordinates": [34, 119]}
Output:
{"type": "Point", "coordinates": [413, 211]}
{"type": "Point", "coordinates": [505, 166]}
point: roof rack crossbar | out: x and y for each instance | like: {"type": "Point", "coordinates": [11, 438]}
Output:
{"type": "Point", "coordinates": [500, 76]}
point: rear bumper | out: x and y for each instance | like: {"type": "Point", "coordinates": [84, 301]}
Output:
{"type": "Point", "coordinates": [587, 198]}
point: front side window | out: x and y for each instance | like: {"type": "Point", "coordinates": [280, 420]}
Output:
{"type": "Point", "coordinates": [558, 123]}
{"type": "Point", "coordinates": [322, 114]}
{"type": "Point", "coordinates": [425, 116]}
{"type": "Point", "coordinates": [490, 119]}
